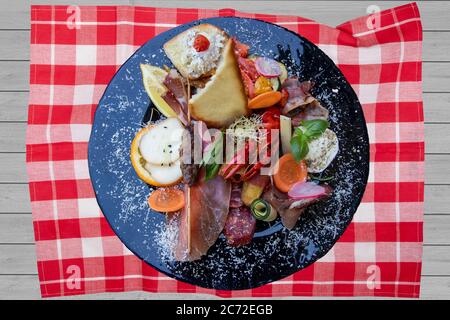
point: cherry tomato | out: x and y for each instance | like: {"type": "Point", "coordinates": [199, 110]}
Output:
{"type": "Point", "coordinates": [262, 84]}
{"type": "Point", "coordinates": [248, 83]}
{"type": "Point", "coordinates": [271, 118]}
{"type": "Point", "coordinates": [201, 43]}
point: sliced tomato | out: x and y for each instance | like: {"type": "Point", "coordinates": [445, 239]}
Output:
{"type": "Point", "coordinates": [248, 66]}
{"type": "Point", "coordinates": [248, 84]}
{"type": "Point", "coordinates": [240, 49]}
{"type": "Point", "coordinates": [201, 43]}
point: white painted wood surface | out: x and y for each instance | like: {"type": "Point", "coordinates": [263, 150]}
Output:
{"type": "Point", "coordinates": [18, 274]}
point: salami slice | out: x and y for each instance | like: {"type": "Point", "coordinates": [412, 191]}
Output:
{"type": "Point", "coordinates": [239, 227]}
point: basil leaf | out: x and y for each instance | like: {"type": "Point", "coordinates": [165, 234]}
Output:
{"type": "Point", "coordinates": [298, 131]}
{"type": "Point", "coordinates": [299, 146]}
{"type": "Point", "coordinates": [211, 171]}
{"type": "Point", "coordinates": [314, 128]}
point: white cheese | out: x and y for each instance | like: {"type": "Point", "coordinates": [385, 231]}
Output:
{"type": "Point", "coordinates": [322, 151]}
{"type": "Point", "coordinates": [161, 144]}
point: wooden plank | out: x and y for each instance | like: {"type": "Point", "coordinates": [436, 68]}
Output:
{"type": "Point", "coordinates": [436, 229]}
{"type": "Point", "coordinates": [21, 259]}
{"type": "Point", "coordinates": [436, 76]}
{"type": "Point", "coordinates": [436, 107]}
{"type": "Point", "coordinates": [13, 106]}
{"type": "Point", "coordinates": [437, 199]}
{"type": "Point", "coordinates": [18, 45]}
{"type": "Point", "coordinates": [14, 75]}
{"type": "Point", "coordinates": [13, 170]}
{"type": "Point", "coordinates": [27, 287]}
{"type": "Point", "coordinates": [18, 259]}
{"type": "Point", "coordinates": [436, 260]}
{"type": "Point", "coordinates": [24, 287]}
{"type": "Point", "coordinates": [12, 137]}
{"type": "Point", "coordinates": [437, 139]}
{"type": "Point", "coordinates": [435, 288]}
{"type": "Point", "coordinates": [14, 198]}
{"type": "Point", "coordinates": [18, 228]}
{"type": "Point", "coordinates": [15, 15]}
{"type": "Point", "coordinates": [437, 169]}
{"type": "Point", "coordinates": [436, 45]}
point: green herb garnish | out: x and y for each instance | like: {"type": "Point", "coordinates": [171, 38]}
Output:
{"type": "Point", "coordinates": [211, 170]}
{"type": "Point", "coordinates": [210, 161]}
{"type": "Point", "coordinates": [308, 130]}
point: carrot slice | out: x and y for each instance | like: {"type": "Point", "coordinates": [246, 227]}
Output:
{"type": "Point", "coordinates": [265, 100]}
{"type": "Point", "coordinates": [289, 172]}
{"type": "Point", "coordinates": [166, 200]}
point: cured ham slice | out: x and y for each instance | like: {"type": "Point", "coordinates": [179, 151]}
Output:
{"type": "Point", "coordinates": [299, 94]}
{"type": "Point", "coordinates": [236, 192]}
{"type": "Point", "coordinates": [289, 209]}
{"type": "Point", "coordinates": [203, 218]}
{"type": "Point", "coordinates": [312, 111]}
{"type": "Point", "coordinates": [176, 96]}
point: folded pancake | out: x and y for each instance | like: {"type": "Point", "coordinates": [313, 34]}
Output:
{"type": "Point", "coordinates": [223, 99]}
{"type": "Point", "coordinates": [191, 63]}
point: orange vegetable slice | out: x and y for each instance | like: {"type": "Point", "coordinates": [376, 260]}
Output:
{"type": "Point", "coordinates": [265, 100]}
{"type": "Point", "coordinates": [262, 85]}
{"type": "Point", "coordinates": [166, 200]}
{"type": "Point", "coordinates": [289, 172]}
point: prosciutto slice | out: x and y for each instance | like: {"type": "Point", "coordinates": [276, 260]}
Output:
{"type": "Point", "coordinates": [299, 94]}
{"type": "Point", "coordinates": [176, 96]}
{"type": "Point", "coordinates": [203, 218]}
{"type": "Point", "coordinates": [312, 111]}
{"type": "Point", "coordinates": [290, 210]}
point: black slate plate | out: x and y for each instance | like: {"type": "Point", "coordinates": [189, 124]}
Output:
{"type": "Point", "coordinates": [275, 252]}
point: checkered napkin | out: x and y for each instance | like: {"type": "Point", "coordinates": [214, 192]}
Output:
{"type": "Point", "coordinates": [75, 51]}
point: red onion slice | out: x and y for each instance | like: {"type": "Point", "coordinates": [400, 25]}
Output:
{"type": "Point", "coordinates": [269, 68]}
{"type": "Point", "coordinates": [306, 190]}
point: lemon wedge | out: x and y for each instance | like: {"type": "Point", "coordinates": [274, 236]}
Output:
{"type": "Point", "coordinates": [153, 78]}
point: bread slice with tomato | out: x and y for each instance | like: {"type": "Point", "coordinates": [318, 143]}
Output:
{"type": "Point", "coordinates": [196, 51]}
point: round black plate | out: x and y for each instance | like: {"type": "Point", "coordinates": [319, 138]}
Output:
{"type": "Point", "coordinates": [274, 252]}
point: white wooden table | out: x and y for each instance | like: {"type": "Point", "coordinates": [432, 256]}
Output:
{"type": "Point", "coordinates": [18, 274]}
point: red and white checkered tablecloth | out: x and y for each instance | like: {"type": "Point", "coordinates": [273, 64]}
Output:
{"type": "Point", "coordinates": [75, 51]}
